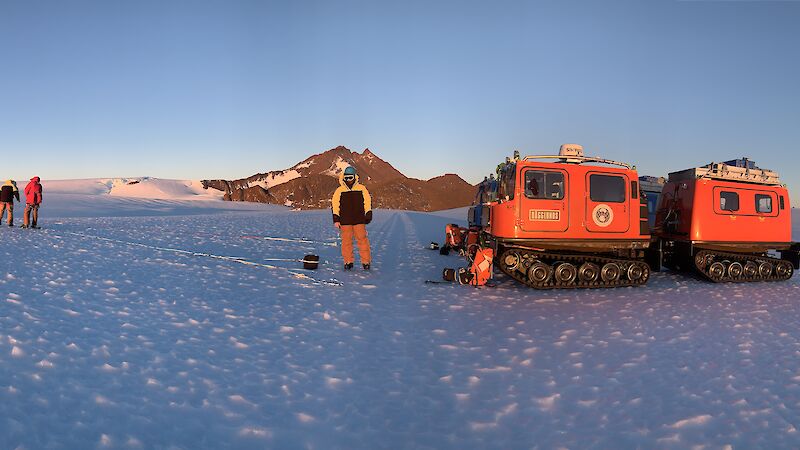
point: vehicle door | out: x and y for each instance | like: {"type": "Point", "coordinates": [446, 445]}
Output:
{"type": "Point", "coordinates": [544, 202]}
{"type": "Point", "coordinates": [607, 202]}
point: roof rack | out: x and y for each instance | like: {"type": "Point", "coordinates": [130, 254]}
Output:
{"type": "Point", "coordinates": [580, 160]}
{"type": "Point", "coordinates": [747, 173]}
{"type": "Point", "coordinates": [573, 154]}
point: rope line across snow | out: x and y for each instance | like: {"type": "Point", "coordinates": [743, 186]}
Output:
{"type": "Point", "coordinates": [297, 274]}
{"type": "Point", "coordinates": [295, 240]}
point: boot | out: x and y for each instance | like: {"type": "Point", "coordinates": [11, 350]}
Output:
{"type": "Point", "coordinates": [348, 266]}
{"type": "Point", "coordinates": [366, 266]}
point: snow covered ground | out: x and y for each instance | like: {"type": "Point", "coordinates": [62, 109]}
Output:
{"type": "Point", "coordinates": [122, 325]}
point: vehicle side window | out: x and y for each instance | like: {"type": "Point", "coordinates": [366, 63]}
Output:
{"type": "Point", "coordinates": [606, 188]}
{"type": "Point", "coordinates": [728, 201]}
{"type": "Point", "coordinates": [511, 181]}
{"type": "Point", "coordinates": [763, 203]}
{"type": "Point", "coordinates": [634, 190]}
{"type": "Point", "coordinates": [544, 185]}
{"type": "Point", "coordinates": [781, 202]}
{"type": "Point", "coordinates": [505, 182]}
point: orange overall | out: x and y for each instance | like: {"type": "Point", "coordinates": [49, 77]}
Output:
{"type": "Point", "coordinates": [360, 233]}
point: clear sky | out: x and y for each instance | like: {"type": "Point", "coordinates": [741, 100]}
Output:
{"type": "Point", "coordinates": [224, 89]}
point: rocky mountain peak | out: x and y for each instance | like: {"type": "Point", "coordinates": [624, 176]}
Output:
{"type": "Point", "coordinates": [310, 183]}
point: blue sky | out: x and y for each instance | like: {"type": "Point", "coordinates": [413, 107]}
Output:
{"type": "Point", "coordinates": [224, 89]}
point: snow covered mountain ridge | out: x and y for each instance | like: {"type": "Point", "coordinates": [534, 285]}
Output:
{"type": "Point", "coordinates": [310, 183]}
{"type": "Point", "coordinates": [135, 187]}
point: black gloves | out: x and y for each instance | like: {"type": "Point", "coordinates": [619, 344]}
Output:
{"type": "Point", "coordinates": [368, 217]}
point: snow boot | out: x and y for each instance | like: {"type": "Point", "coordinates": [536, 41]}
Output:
{"type": "Point", "coordinates": [23, 226]}
{"type": "Point", "coordinates": [348, 266]}
{"type": "Point", "coordinates": [366, 266]}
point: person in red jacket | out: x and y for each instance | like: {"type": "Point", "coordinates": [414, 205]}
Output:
{"type": "Point", "coordinates": [33, 198]}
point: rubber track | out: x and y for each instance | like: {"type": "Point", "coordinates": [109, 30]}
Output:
{"type": "Point", "coordinates": [575, 259]}
{"type": "Point", "coordinates": [741, 258]}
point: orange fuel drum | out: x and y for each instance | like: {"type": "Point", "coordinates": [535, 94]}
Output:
{"type": "Point", "coordinates": [722, 220]}
{"type": "Point", "coordinates": [576, 222]}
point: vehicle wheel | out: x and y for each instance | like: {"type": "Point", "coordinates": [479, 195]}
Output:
{"type": "Point", "coordinates": [610, 272]}
{"type": "Point", "coordinates": [588, 272]}
{"type": "Point", "coordinates": [735, 270]}
{"type": "Point", "coordinates": [565, 273]}
{"type": "Point", "coordinates": [512, 260]}
{"type": "Point", "coordinates": [783, 269]}
{"type": "Point", "coordinates": [750, 269]}
{"type": "Point", "coordinates": [540, 273]}
{"type": "Point", "coordinates": [716, 270]}
{"type": "Point", "coordinates": [645, 273]}
{"type": "Point", "coordinates": [635, 272]}
{"type": "Point", "coordinates": [765, 269]}
{"type": "Point", "coordinates": [700, 260]}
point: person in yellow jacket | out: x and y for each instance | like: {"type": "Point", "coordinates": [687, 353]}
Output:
{"type": "Point", "coordinates": [8, 192]}
{"type": "Point", "coordinates": [352, 211]}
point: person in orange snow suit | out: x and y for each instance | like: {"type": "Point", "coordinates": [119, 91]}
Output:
{"type": "Point", "coordinates": [33, 198]}
{"type": "Point", "coordinates": [352, 211]}
{"type": "Point", "coordinates": [7, 194]}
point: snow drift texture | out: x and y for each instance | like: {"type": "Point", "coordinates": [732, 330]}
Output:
{"type": "Point", "coordinates": [123, 326]}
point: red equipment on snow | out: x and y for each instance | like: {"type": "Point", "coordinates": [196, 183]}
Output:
{"type": "Point", "coordinates": [454, 236]}
{"type": "Point", "coordinates": [481, 269]}
{"type": "Point", "coordinates": [479, 272]}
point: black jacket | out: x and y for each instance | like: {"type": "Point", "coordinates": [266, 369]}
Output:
{"type": "Point", "coordinates": [8, 193]}
{"type": "Point", "coordinates": [351, 205]}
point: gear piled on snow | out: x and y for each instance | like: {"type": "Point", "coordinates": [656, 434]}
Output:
{"type": "Point", "coordinates": [457, 238]}
{"type": "Point", "coordinates": [454, 236]}
{"type": "Point", "coordinates": [477, 274]}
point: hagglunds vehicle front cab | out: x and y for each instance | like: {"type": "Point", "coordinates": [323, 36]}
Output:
{"type": "Point", "coordinates": [576, 222]}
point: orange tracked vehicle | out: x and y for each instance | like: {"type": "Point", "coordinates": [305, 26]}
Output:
{"type": "Point", "coordinates": [724, 220]}
{"type": "Point", "coordinates": [567, 221]}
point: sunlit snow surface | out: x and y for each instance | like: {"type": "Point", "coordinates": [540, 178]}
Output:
{"type": "Point", "coordinates": [126, 342]}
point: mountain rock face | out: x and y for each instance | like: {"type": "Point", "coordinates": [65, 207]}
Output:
{"type": "Point", "coordinates": [310, 184]}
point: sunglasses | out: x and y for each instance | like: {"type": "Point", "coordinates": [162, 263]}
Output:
{"type": "Point", "coordinates": [349, 177]}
